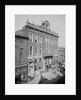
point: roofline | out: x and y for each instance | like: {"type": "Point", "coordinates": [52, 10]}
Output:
{"type": "Point", "coordinates": [19, 36]}
{"type": "Point", "coordinates": [40, 29]}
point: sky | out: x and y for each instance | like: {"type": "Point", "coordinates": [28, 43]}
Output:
{"type": "Point", "coordinates": [57, 24]}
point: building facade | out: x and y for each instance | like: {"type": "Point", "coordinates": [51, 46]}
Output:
{"type": "Point", "coordinates": [21, 44]}
{"type": "Point", "coordinates": [38, 47]}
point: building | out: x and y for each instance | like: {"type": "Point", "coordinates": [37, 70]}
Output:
{"type": "Point", "coordinates": [61, 54]}
{"type": "Point", "coordinates": [21, 44]}
{"type": "Point", "coordinates": [36, 46]}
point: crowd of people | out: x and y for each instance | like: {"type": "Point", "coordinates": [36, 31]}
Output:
{"type": "Point", "coordinates": [59, 64]}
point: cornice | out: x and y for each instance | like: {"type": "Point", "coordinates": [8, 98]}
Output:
{"type": "Point", "coordinates": [29, 25]}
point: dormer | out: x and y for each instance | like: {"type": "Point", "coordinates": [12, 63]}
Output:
{"type": "Point", "coordinates": [46, 25]}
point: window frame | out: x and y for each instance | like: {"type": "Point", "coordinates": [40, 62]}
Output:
{"type": "Point", "coordinates": [40, 39]}
{"type": "Point", "coordinates": [48, 41]}
{"type": "Point", "coordinates": [52, 42]}
{"type": "Point", "coordinates": [45, 40]}
{"type": "Point", "coordinates": [36, 38]}
{"type": "Point", "coordinates": [45, 50]}
{"type": "Point", "coordinates": [37, 51]}
{"type": "Point", "coordinates": [31, 37]}
{"type": "Point", "coordinates": [29, 51]}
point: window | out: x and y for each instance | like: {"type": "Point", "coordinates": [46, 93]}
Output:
{"type": "Point", "coordinates": [56, 43]}
{"type": "Point", "coordinates": [52, 42]}
{"type": "Point", "coordinates": [40, 67]}
{"type": "Point", "coordinates": [35, 60]}
{"type": "Point", "coordinates": [45, 61]}
{"type": "Point", "coordinates": [30, 37]}
{"type": "Point", "coordinates": [36, 50]}
{"type": "Point", "coordinates": [40, 50]}
{"type": "Point", "coordinates": [36, 38]}
{"type": "Point", "coordinates": [52, 51]}
{"type": "Point", "coordinates": [48, 61]}
{"type": "Point", "coordinates": [45, 50]}
{"type": "Point", "coordinates": [49, 50]}
{"type": "Point", "coordinates": [40, 60]}
{"type": "Point", "coordinates": [48, 41]}
{"type": "Point", "coordinates": [40, 39]}
{"type": "Point", "coordinates": [31, 50]}
{"type": "Point", "coordinates": [45, 39]}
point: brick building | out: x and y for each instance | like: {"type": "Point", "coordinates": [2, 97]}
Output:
{"type": "Point", "coordinates": [36, 45]}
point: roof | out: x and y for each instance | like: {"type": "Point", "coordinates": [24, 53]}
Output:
{"type": "Point", "coordinates": [20, 34]}
{"type": "Point", "coordinates": [38, 28]}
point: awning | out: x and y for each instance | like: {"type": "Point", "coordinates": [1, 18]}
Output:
{"type": "Point", "coordinates": [20, 66]}
{"type": "Point", "coordinates": [45, 57]}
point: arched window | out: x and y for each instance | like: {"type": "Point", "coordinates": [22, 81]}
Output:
{"type": "Point", "coordinates": [21, 55]}
{"type": "Point", "coordinates": [30, 37]}
{"type": "Point", "coordinates": [30, 50]}
{"type": "Point", "coordinates": [40, 50]}
{"type": "Point", "coordinates": [36, 50]}
{"type": "Point", "coordinates": [36, 38]}
{"type": "Point", "coordinates": [40, 39]}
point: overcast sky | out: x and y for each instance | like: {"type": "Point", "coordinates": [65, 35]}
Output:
{"type": "Point", "coordinates": [57, 24]}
